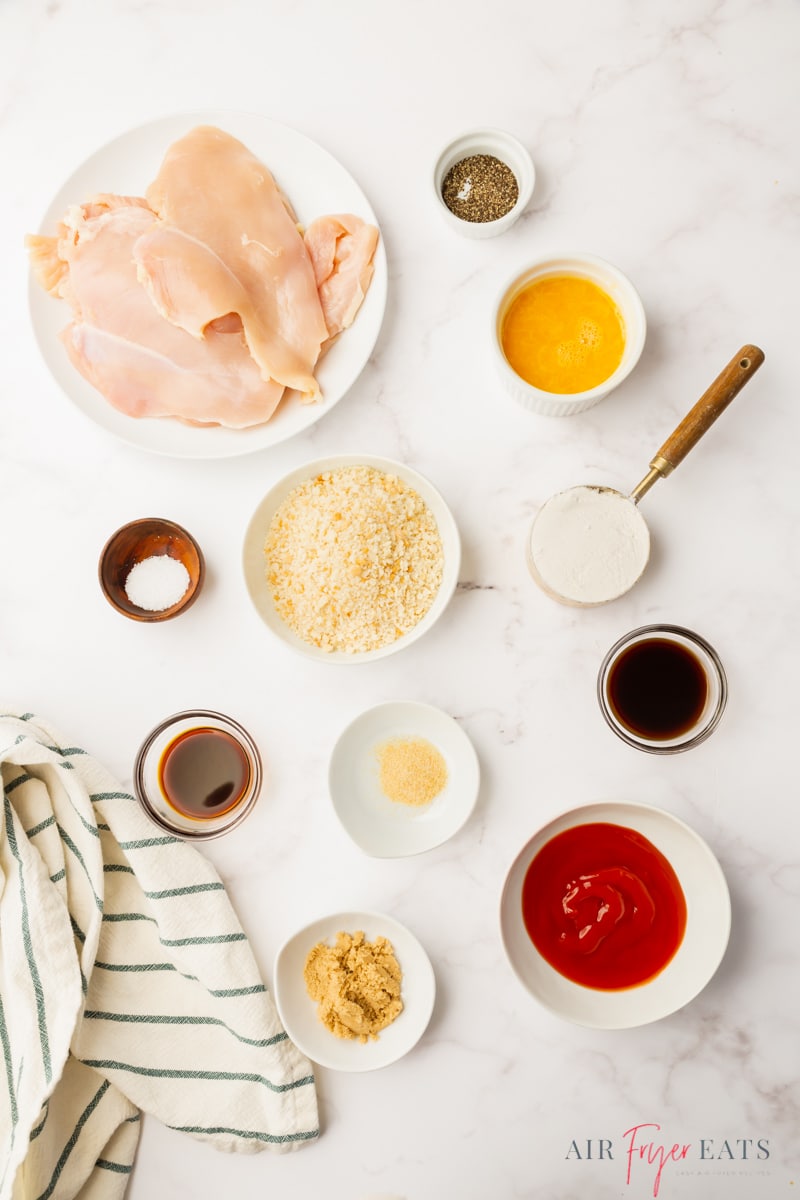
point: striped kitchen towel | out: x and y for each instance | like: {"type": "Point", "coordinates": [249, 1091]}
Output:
{"type": "Point", "coordinates": [126, 984]}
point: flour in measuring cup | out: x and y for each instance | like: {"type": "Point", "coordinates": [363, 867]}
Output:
{"type": "Point", "coordinates": [588, 545]}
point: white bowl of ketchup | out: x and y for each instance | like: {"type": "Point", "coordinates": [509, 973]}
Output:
{"type": "Point", "coordinates": [614, 915]}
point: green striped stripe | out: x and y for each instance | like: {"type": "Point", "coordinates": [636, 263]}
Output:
{"type": "Point", "coordinates": [76, 929]}
{"type": "Point", "coordinates": [38, 991]}
{"type": "Point", "coordinates": [110, 1064]}
{"type": "Point", "coordinates": [253, 1134]}
{"type": "Point", "coordinates": [67, 840]}
{"type": "Point", "coordinates": [69, 750]}
{"type": "Point", "coordinates": [129, 916]}
{"type": "Point", "coordinates": [70, 1146]}
{"type": "Point", "coordinates": [215, 939]}
{"type": "Point", "coordinates": [109, 867]}
{"type": "Point", "coordinates": [35, 1132]}
{"type": "Point", "coordinates": [59, 875]}
{"type": "Point", "coordinates": [13, 1088]}
{"type": "Point", "coordinates": [15, 783]}
{"type": "Point", "coordinates": [206, 940]}
{"type": "Point", "coordinates": [105, 1165]}
{"type": "Point", "coordinates": [45, 824]}
{"type": "Point", "coordinates": [189, 890]}
{"type": "Point", "coordinates": [4, 1038]}
{"type": "Point", "coordinates": [254, 990]}
{"type": "Point", "coordinates": [95, 796]}
{"type": "Point", "coordinates": [144, 843]}
{"type": "Point", "coordinates": [153, 1019]}
{"type": "Point", "coordinates": [107, 966]}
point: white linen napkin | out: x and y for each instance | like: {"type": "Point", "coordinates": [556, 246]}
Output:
{"type": "Point", "coordinates": [126, 983]}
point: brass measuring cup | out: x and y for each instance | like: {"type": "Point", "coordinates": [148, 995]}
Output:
{"type": "Point", "coordinates": [589, 519]}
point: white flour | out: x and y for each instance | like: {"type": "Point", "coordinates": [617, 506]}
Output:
{"type": "Point", "coordinates": [588, 545]}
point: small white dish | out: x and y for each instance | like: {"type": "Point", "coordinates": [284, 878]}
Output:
{"type": "Point", "coordinates": [708, 920]}
{"type": "Point", "coordinates": [255, 564]}
{"type": "Point", "coordinates": [622, 292]}
{"type": "Point", "coordinates": [298, 1011]}
{"type": "Point", "coordinates": [502, 146]}
{"type": "Point", "coordinates": [386, 828]}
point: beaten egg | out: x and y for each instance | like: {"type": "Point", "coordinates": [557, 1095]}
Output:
{"type": "Point", "coordinates": [564, 334]}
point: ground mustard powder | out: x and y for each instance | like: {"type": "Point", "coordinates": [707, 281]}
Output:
{"type": "Point", "coordinates": [356, 985]}
{"type": "Point", "coordinates": [412, 771]}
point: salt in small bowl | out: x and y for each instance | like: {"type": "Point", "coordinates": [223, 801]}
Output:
{"type": "Point", "coordinates": [137, 542]}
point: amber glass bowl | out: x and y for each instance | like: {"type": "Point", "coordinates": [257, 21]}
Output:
{"type": "Point", "coordinates": [147, 784]}
{"type": "Point", "coordinates": [143, 539]}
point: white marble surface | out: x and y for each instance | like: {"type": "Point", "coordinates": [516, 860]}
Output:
{"type": "Point", "coordinates": [665, 139]}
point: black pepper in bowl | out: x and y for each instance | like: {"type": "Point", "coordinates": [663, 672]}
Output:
{"type": "Point", "coordinates": [480, 188]}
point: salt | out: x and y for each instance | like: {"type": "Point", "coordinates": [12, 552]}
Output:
{"type": "Point", "coordinates": [157, 583]}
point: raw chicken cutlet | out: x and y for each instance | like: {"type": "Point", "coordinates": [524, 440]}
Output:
{"type": "Point", "coordinates": [144, 366]}
{"type": "Point", "coordinates": [203, 300]}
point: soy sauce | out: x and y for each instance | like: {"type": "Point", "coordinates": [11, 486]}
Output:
{"type": "Point", "coordinates": [203, 773]}
{"type": "Point", "coordinates": [657, 689]}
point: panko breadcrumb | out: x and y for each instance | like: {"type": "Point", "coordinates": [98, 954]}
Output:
{"type": "Point", "coordinates": [354, 559]}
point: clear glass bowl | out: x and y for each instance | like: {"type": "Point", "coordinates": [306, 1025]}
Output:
{"type": "Point", "coordinates": [147, 786]}
{"type": "Point", "coordinates": [707, 717]}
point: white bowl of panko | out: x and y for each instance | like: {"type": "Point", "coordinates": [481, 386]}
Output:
{"type": "Point", "coordinates": [351, 558]}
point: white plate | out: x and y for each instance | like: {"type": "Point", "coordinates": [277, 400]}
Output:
{"type": "Point", "coordinates": [315, 183]}
{"type": "Point", "coordinates": [385, 828]}
{"type": "Point", "coordinates": [254, 561]}
{"type": "Point", "coordinates": [708, 921]}
{"type": "Point", "coordinates": [298, 1011]}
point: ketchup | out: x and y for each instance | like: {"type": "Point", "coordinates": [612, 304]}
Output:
{"type": "Point", "coordinates": [603, 906]}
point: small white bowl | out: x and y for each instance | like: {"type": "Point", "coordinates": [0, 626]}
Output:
{"type": "Point", "coordinates": [385, 828]}
{"type": "Point", "coordinates": [298, 1012]}
{"type": "Point", "coordinates": [621, 291]}
{"type": "Point", "coordinates": [708, 921]}
{"type": "Point", "coordinates": [254, 559]}
{"type": "Point", "coordinates": [503, 146]}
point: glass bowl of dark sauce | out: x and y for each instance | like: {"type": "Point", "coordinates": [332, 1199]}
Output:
{"type": "Point", "coordinates": [662, 689]}
{"type": "Point", "coordinates": [198, 774]}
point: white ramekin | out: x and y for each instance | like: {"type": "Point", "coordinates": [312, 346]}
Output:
{"type": "Point", "coordinates": [624, 295]}
{"type": "Point", "coordinates": [503, 146]}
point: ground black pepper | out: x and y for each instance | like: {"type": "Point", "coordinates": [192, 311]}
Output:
{"type": "Point", "coordinates": [480, 188]}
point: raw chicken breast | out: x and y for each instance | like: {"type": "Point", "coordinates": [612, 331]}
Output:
{"type": "Point", "coordinates": [143, 365]}
{"type": "Point", "coordinates": [341, 249]}
{"type": "Point", "coordinates": [203, 301]}
{"type": "Point", "coordinates": [229, 243]}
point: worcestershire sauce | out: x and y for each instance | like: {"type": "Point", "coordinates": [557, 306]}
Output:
{"type": "Point", "coordinates": [203, 773]}
{"type": "Point", "coordinates": [657, 689]}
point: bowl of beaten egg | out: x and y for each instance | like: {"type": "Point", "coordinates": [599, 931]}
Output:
{"type": "Point", "coordinates": [567, 330]}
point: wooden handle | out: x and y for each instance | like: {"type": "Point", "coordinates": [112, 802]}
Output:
{"type": "Point", "coordinates": [728, 384]}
